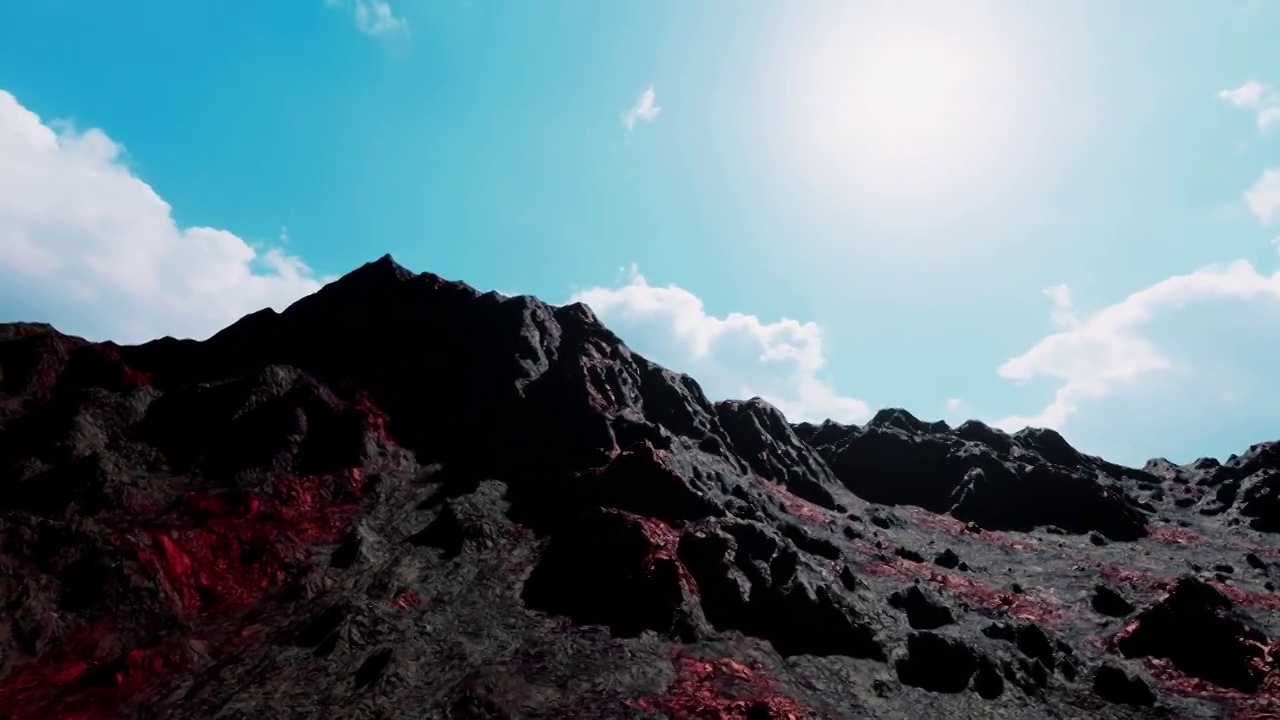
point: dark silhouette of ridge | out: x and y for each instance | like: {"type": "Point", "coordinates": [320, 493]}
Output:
{"type": "Point", "coordinates": [403, 497]}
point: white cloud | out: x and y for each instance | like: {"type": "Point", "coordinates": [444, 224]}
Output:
{"type": "Point", "coordinates": [88, 243]}
{"type": "Point", "coordinates": [1091, 356]}
{"type": "Point", "coordinates": [1105, 353]}
{"type": "Point", "coordinates": [1264, 197]}
{"type": "Point", "coordinates": [736, 356]}
{"type": "Point", "coordinates": [644, 109]}
{"type": "Point", "coordinates": [1258, 97]}
{"type": "Point", "coordinates": [1268, 117]}
{"type": "Point", "coordinates": [955, 405]}
{"type": "Point", "coordinates": [373, 17]}
{"type": "Point", "coordinates": [1061, 296]}
{"type": "Point", "coordinates": [1250, 95]}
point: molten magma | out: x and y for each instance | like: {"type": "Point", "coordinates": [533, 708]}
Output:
{"type": "Point", "coordinates": [1024, 605]}
{"type": "Point", "coordinates": [1261, 705]}
{"type": "Point", "coordinates": [217, 554]}
{"type": "Point", "coordinates": [720, 690]}
{"type": "Point", "coordinates": [81, 679]}
{"type": "Point", "coordinates": [225, 551]}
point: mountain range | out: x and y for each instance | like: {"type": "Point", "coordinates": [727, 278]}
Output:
{"type": "Point", "coordinates": [404, 498]}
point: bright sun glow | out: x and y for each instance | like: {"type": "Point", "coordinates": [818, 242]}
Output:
{"type": "Point", "coordinates": [895, 109]}
{"type": "Point", "coordinates": [908, 93]}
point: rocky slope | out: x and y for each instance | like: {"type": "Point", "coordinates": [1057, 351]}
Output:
{"type": "Point", "coordinates": [403, 498]}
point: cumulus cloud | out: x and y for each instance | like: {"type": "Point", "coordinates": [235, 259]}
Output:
{"type": "Point", "coordinates": [1257, 97]}
{"type": "Point", "coordinates": [1094, 354]}
{"type": "Point", "coordinates": [94, 249]}
{"type": "Point", "coordinates": [645, 109]}
{"type": "Point", "coordinates": [736, 356]}
{"type": "Point", "coordinates": [1263, 198]}
{"type": "Point", "coordinates": [373, 17]}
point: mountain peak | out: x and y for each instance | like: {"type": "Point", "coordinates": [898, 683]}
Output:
{"type": "Point", "coordinates": [311, 511]}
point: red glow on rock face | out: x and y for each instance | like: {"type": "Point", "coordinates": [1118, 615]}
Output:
{"type": "Point", "coordinates": [797, 506]}
{"type": "Point", "coordinates": [118, 375]}
{"type": "Point", "coordinates": [223, 552]}
{"type": "Point", "coordinates": [662, 541]}
{"type": "Point", "coordinates": [78, 679]}
{"type": "Point", "coordinates": [1026, 605]}
{"type": "Point", "coordinates": [1261, 705]}
{"type": "Point", "coordinates": [376, 422]}
{"type": "Point", "coordinates": [600, 395]}
{"type": "Point", "coordinates": [215, 553]}
{"type": "Point", "coordinates": [1236, 705]}
{"type": "Point", "coordinates": [1248, 598]}
{"type": "Point", "coordinates": [1270, 552]}
{"type": "Point", "coordinates": [720, 690]}
{"type": "Point", "coordinates": [1169, 534]}
{"type": "Point", "coordinates": [406, 600]}
{"type": "Point", "coordinates": [1125, 575]}
{"type": "Point", "coordinates": [932, 523]}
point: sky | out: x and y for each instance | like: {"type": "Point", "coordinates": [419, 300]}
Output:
{"type": "Point", "coordinates": [1056, 214]}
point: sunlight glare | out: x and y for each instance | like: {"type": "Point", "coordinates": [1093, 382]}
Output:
{"type": "Point", "coordinates": [892, 110]}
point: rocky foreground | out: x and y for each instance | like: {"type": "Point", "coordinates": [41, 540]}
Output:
{"type": "Point", "coordinates": [402, 498]}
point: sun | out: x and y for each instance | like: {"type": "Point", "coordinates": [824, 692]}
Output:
{"type": "Point", "coordinates": [897, 106]}
{"type": "Point", "coordinates": [905, 94]}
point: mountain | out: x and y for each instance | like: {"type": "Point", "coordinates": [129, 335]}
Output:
{"type": "Point", "coordinates": [404, 498]}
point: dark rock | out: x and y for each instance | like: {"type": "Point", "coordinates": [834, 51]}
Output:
{"type": "Point", "coordinates": [1113, 684]}
{"type": "Point", "coordinates": [1198, 629]}
{"type": "Point", "coordinates": [924, 610]}
{"type": "Point", "coordinates": [937, 663]}
{"type": "Point", "coordinates": [758, 432]}
{"type": "Point", "coordinates": [751, 582]}
{"type": "Point", "coordinates": [998, 482]}
{"type": "Point", "coordinates": [372, 669]}
{"type": "Point", "coordinates": [612, 568]}
{"type": "Point", "coordinates": [909, 555]}
{"type": "Point", "coordinates": [809, 542]}
{"type": "Point", "coordinates": [947, 559]}
{"type": "Point", "coordinates": [403, 497]}
{"type": "Point", "coordinates": [988, 682]}
{"type": "Point", "coordinates": [473, 520]}
{"type": "Point", "coordinates": [1108, 601]}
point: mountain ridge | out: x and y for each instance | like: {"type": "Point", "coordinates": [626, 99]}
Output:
{"type": "Point", "coordinates": [300, 513]}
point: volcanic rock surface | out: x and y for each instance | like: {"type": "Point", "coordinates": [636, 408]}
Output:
{"type": "Point", "coordinates": [404, 498]}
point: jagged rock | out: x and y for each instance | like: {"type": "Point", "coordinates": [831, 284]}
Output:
{"type": "Point", "coordinates": [1113, 684]}
{"type": "Point", "coordinates": [947, 559]}
{"type": "Point", "coordinates": [937, 662]}
{"type": "Point", "coordinates": [923, 609]}
{"type": "Point", "coordinates": [1108, 601]}
{"type": "Point", "coordinates": [1006, 484]}
{"type": "Point", "coordinates": [613, 568]}
{"type": "Point", "coordinates": [806, 541]}
{"type": "Point", "coordinates": [759, 433]}
{"type": "Point", "coordinates": [474, 519]}
{"type": "Point", "coordinates": [908, 554]}
{"type": "Point", "coordinates": [1031, 641]}
{"type": "Point", "coordinates": [752, 581]}
{"type": "Point", "coordinates": [1198, 628]}
{"type": "Point", "coordinates": [402, 497]}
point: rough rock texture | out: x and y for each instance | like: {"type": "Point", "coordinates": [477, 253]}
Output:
{"type": "Point", "coordinates": [403, 498]}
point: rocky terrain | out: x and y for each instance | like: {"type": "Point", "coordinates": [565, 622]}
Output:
{"type": "Point", "coordinates": [403, 498]}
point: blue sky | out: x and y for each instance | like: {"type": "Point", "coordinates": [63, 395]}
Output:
{"type": "Point", "coordinates": [1055, 213]}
